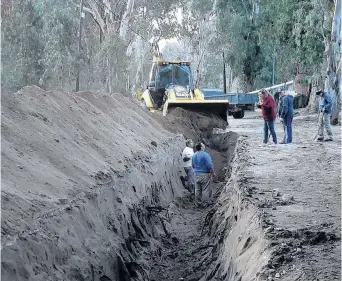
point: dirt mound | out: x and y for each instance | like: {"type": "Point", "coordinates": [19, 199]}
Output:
{"type": "Point", "coordinates": [191, 124]}
{"type": "Point", "coordinates": [88, 181]}
{"type": "Point", "coordinates": [79, 172]}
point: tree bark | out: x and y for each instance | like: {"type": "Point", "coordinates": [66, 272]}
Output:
{"type": "Point", "coordinates": [125, 19]}
{"type": "Point", "coordinates": [333, 83]}
{"type": "Point", "coordinates": [95, 12]}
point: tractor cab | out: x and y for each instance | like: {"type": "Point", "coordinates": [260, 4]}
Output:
{"type": "Point", "coordinates": [171, 85]}
{"type": "Point", "coordinates": [167, 75]}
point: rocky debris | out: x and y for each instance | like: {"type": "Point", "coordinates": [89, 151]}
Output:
{"type": "Point", "coordinates": [276, 192]}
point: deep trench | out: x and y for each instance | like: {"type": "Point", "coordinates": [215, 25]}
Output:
{"type": "Point", "coordinates": [140, 224]}
{"type": "Point", "coordinates": [126, 216]}
{"type": "Point", "coordinates": [180, 241]}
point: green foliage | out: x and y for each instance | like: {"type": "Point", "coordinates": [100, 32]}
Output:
{"type": "Point", "coordinates": [40, 42]}
{"type": "Point", "coordinates": [21, 45]}
{"type": "Point", "coordinates": [37, 43]}
{"type": "Point", "coordinates": [293, 31]}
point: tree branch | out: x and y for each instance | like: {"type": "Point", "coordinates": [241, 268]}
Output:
{"type": "Point", "coordinates": [244, 5]}
{"type": "Point", "coordinates": [93, 10]}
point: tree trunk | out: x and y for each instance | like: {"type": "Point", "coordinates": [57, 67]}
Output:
{"type": "Point", "coordinates": [329, 78]}
{"type": "Point", "coordinates": [125, 19]}
{"type": "Point", "coordinates": [333, 83]}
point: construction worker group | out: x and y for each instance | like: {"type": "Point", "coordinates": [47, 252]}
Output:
{"type": "Point", "coordinates": [283, 107]}
{"type": "Point", "coordinates": [198, 166]}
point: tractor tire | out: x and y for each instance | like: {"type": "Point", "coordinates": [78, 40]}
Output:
{"type": "Point", "coordinates": [239, 114]}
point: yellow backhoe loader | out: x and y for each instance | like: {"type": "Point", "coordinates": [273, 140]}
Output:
{"type": "Point", "coordinates": [171, 85]}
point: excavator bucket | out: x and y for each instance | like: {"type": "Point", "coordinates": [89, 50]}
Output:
{"type": "Point", "coordinates": [178, 97]}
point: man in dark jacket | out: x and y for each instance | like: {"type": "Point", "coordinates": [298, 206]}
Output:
{"type": "Point", "coordinates": [268, 110]}
{"type": "Point", "coordinates": [325, 105]}
{"type": "Point", "coordinates": [286, 112]}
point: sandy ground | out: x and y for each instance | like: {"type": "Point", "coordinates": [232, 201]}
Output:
{"type": "Point", "coordinates": [302, 217]}
{"type": "Point", "coordinates": [84, 177]}
{"type": "Point", "coordinates": [78, 172]}
{"type": "Point", "coordinates": [91, 191]}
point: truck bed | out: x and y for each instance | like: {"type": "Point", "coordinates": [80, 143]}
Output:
{"type": "Point", "coordinates": [233, 98]}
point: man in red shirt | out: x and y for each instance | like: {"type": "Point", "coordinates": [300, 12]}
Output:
{"type": "Point", "coordinates": [267, 105]}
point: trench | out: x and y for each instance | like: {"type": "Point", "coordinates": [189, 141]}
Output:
{"type": "Point", "coordinates": [180, 242]}
{"type": "Point", "coordinates": [140, 224]}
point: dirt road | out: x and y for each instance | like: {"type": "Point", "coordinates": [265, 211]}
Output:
{"type": "Point", "coordinates": [302, 217]}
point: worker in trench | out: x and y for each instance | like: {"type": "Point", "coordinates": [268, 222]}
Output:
{"type": "Point", "coordinates": [325, 106]}
{"type": "Point", "coordinates": [204, 172]}
{"type": "Point", "coordinates": [188, 181]}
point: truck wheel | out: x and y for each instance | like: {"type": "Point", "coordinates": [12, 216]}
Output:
{"type": "Point", "coordinates": [239, 114]}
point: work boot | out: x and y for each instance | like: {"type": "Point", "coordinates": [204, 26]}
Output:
{"type": "Point", "coordinates": [328, 139]}
{"type": "Point", "coordinates": [320, 138]}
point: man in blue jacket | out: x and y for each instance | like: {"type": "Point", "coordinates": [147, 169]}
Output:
{"type": "Point", "coordinates": [203, 168]}
{"type": "Point", "coordinates": [286, 112]}
{"type": "Point", "coordinates": [325, 105]}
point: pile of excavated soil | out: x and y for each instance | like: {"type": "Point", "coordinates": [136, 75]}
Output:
{"type": "Point", "coordinates": [79, 172]}
{"type": "Point", "coordinates": [86, 178]}
{"type": "Point", "coordinates": [194, 125]}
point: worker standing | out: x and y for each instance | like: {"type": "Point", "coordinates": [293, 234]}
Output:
{"type": "Point", "coordinates": [203, 167]}
{"type": "Point", "coordinates": [268, 110]}
{"type": "Point", "coordinates": [189, 180]}
{"type": "Point", "coordinates": [325, 105]}
{"type": "Point", "coordinates": [286, 112]}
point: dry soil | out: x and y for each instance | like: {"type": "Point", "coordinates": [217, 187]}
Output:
{"type": "Point", "coordinates": [91, 191]}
